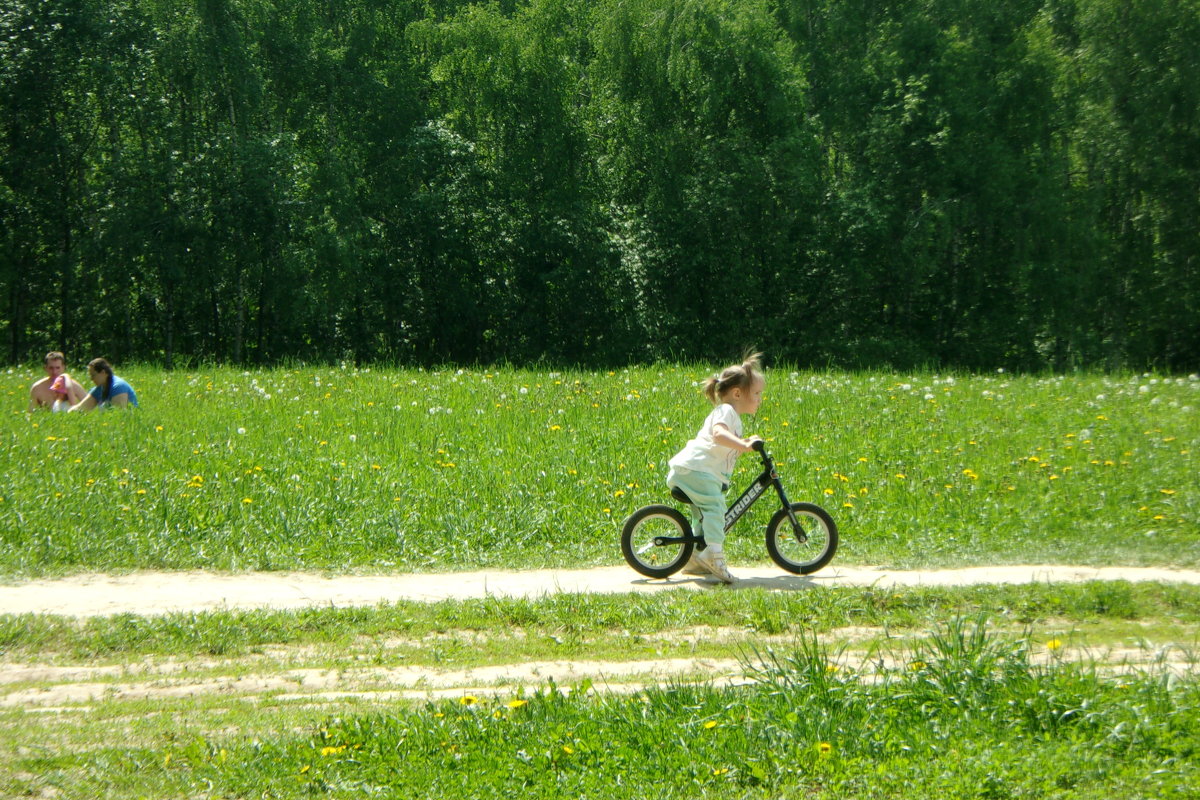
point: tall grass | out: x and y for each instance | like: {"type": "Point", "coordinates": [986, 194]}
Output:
{"type": "Point", "coordinates": [970, 716]}
{"type": "Point", "coordinates": [337, 468]}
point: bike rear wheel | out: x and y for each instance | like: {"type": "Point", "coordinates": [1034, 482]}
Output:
{"type": "Point", "coordinates": [643, 527]}
{"type": "Point", "coordinates": [807, 550]}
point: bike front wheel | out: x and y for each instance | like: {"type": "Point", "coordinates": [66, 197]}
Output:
{"type": "Point", "coordinates": [638, 545]}
{"type": "Point", "coordinates": [808, 548]}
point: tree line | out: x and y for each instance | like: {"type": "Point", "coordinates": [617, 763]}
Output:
{"type": "Point", "coordinates": [958, 183]}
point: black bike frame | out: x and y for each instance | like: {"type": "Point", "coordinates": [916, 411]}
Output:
{"type": "Point", "coordinates": [764, 481]}
{"type": "Point", "coordinates": [767, 479]}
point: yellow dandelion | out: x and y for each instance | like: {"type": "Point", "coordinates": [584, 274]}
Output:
{"type": "Point", "coordinates": [515, 704]}
{"type": "Point", "coordinates": [246, 501]}
{"type": "Point", "coordinates": [332, 751]}
{"type": "Point", "coordinates": [1054, 645]}
{"type": "Point", "coordinates": [721, 771]}
{"type": "Point", "coordinates": [829, 491]}
{"type": "Point", "coordinates": [556, 427]}
{"type": "Point", "coordinates": [305, 768]}
{"type": "Point", "coordinates": [619, 493]}
{"type": "Point", "coordinates": [566, 748]}
{"type": "Point", "coordinates": [824, 748]}
{"type": "Point", "coordinates": [1167, 492]}
{"type": "Point", "coordinates": [376, 466]}
{"type": "Point", "coordinates": [901, 476]}
{"type": "Point", "coordinates": [468, 700]}
{"type": "Point", "coordinates": [708, 726]}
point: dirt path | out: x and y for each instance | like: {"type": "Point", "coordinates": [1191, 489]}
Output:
{"type": "Point", "coordinates": [148, 593]}
{"type": "Point", "coordinates": [292, 674]}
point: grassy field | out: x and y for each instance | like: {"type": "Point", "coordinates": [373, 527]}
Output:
{"type": "Point", "coordinates": [1043, 691]}
{"type": "Point", "coordinates": [984, 692]}
{"type": "Point", "coordinates": [365, 470]}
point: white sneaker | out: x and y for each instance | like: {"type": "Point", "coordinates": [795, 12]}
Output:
{"type": "Point", "coordinates": [714, 562]}
{"type": "Point", "coordinates": [695, 567]}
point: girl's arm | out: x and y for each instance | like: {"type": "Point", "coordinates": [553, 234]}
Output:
{"type": "Point", "coordinates": [727, 438]}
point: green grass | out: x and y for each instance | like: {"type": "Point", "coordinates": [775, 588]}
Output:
{"type": "Point", "coordinates": [364, 470]}
{"type": "Point", "coordinates": [345, 470]}
{"type": "Point", "coordinates": [957, 698]}
{"type": "Point", "coordinates": [969, 715]}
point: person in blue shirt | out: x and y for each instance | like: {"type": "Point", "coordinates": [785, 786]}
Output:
{"type": "Point", "coordinates": [110, 391]}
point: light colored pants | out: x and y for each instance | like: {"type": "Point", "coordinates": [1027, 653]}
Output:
{"type": "Point", "coordinates": [708, 499]}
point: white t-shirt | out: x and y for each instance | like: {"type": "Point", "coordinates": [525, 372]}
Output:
{"type": "Point", "coordinates": [702, 454]}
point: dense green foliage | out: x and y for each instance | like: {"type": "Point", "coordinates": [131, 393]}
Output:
{"type": "Point", "coordinates": [961, 183]}
{"type": "Point", "coordinates": [384, 470]}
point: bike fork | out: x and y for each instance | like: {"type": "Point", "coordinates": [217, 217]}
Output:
{"type": "Point", "coordinates": [797, 529]}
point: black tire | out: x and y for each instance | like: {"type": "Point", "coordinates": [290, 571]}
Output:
{"type": "Point", "coordinates": [786, 549]}
{"type": "Point", "coordinates": [637, 541]}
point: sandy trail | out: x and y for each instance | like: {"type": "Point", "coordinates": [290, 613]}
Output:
{"type": "Point", "coordinates": [151, 593]}
{"type": "Point", "coordinates": [292, 675]}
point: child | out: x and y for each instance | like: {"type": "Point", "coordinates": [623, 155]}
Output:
{"type": "Point", "coordinates": [704, 467]}
{"type": "Point", "coordinates": [62, 393]}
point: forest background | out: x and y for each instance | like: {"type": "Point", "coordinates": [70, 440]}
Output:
{"type": "Point", "coordinates": [959, 183]}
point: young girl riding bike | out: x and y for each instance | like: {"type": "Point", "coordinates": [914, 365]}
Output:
{"type": "Point", "coordinates": [704, 467]}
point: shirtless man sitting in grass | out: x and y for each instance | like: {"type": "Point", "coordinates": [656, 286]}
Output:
{"type": "Point", "coordinates": [58, 391]}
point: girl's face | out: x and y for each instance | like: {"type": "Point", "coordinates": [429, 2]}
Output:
{"type": "Point", "coordinates": [747, 400]}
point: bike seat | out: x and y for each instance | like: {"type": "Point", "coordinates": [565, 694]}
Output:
{"type": "Point", "coordinates": [680, 495]}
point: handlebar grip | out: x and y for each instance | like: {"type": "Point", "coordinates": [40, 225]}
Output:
{"type": "Point", "coordinates": [760, 446]}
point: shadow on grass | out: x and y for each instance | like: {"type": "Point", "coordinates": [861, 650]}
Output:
{"type": "Point", "coordinates": [778, 583]}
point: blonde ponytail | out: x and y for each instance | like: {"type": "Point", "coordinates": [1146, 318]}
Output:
{"type": "Point", "coordinates": [737, 376]}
